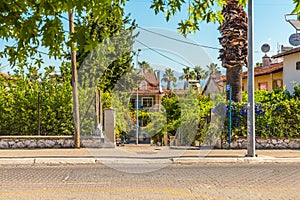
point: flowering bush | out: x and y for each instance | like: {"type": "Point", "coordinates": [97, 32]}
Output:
{"type": "Point", "coordinates": [277, 114]}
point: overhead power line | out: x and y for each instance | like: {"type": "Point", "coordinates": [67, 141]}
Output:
{"type": "Point", "coordinates": [185, 42]}
{"type": "Point", "coordinates": [178, 40]}
{"type": "Point", "coordinates": [167, 57]}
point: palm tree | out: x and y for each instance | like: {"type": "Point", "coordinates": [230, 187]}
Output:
{"type": "Point", "coordinates": [234, 46]}
{"type": "Point", "coordinates": [186, 77]}
{"type": "Point", "coordinates": [200, 73]}
{"type": "Point", "coordinates": [169, 77]}
{"type": "Point", "coordinates": [145, 66]}
{"type": "Point", "coordinates": [213, 68]}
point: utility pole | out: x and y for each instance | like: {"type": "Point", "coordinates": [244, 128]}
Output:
{"type": "Point", "coordinates": [137, 101]}
{"type": "Point", "coordinates": [251, 113]}
{"type": "Point", "coordinates": [74, 84]}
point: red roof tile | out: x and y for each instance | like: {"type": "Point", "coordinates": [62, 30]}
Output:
{"type": "Point", "coordinates": [151, 78]}
{"type": "Point", "coordinates": [259, 71]}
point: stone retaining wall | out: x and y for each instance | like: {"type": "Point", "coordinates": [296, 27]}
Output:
{"type": "Point", "coordinates": [270, 143]}
{"type": "Point", "coordinates": [30, 142]}
{"type": "Point", "coordinates": [19, 142]}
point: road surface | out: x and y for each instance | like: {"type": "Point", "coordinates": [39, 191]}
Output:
{"type": "Point", "coordinates": [201, 181]}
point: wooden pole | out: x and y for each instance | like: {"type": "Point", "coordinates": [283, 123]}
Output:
{"type": "Point", "coordinates": [74, 84]}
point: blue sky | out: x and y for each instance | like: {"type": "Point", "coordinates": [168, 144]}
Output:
{"type": "Point", "coordinates": [161, 52]}
{"type": "Point", "coordinates": [270, 27]}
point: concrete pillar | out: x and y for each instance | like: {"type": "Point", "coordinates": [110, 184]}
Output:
{"type": "Point", "coordinates": [166, 139]}
{"type": "Point", "coordinates": [110, 127]}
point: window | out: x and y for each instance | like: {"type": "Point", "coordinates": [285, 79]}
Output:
{"type": "Point", "coordinates": [263, 86]}
{"type": "Point", "coordinates": [298, 65]}
{"type": "Point", "coordinates": [277, 83]}
{"type": "Point", "coordinates": [133, 103]}
{"type": "Point", "coordinates": [147, 102]}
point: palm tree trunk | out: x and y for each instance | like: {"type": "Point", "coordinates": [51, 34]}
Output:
{"type": "Point", "coordinates": [234, 78]}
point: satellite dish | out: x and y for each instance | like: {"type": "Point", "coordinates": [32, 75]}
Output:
{"type": "Point", "coordinates": [265, 48]}
{"type": "Point", "coordinates": [295, 39]}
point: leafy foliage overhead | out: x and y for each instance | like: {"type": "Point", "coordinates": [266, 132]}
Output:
{"type": "Point", "coordinates": [199, 10]}
{"type": "Point", "coordinates": [30, 25]}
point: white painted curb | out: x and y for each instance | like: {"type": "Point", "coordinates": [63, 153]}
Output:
{"type": "Point", "coordinates": [235, 160]}
{"type": "Point", "coordinates": [31, 161]}
{"type": "Point", "coordinates": [132, 161]}
{"type": "Point", "coordinates": [64, 160]}
{"type": "Point", "coordinates": [16, 161]}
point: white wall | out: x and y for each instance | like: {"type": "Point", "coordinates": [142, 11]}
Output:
{"type": "Point", "coordinates": [290, 73]}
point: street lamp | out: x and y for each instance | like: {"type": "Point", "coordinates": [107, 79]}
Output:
{"type": "Point", "coordinates": [137, 101]}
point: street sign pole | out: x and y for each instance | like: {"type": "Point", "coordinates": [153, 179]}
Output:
{"type": "Point", "coordinates": [251, 113]}
{"type": "Point", "coordinates": [230, 117]}
{"type": "Point", "coordinates": [229, 88]}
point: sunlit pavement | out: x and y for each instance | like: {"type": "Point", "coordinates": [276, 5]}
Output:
{"type": "Point", "coordinates": [178, 181]}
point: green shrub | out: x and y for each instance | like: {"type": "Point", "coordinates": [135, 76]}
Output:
{"type": "Point", "coordinates": [19, 103]}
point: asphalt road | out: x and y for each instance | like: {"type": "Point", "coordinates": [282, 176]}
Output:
{"type": "Point", "coordinates": [97, 181]}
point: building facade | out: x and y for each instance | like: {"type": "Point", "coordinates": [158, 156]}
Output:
{"type": "Point", "coordinates": [291, 67]}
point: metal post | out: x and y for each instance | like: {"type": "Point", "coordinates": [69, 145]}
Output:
{"type": "Point", "coordinates": [137, 102]}
{"type": "Point", "coordinates": [251, 113]}
{"type": "Point", "coordinates": [39, 113]}
{"type": "Point", "coordinates": [230, 117]}
{"type": "Point", "coordinates": [74, 84]}
{"type": "Point", "coordinates": [137, 115]}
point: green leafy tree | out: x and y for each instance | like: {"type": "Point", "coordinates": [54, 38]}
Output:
{"type": "Point", "coordinates": [169, 77]}
{"type": "Point", "coordinates": [35, 24]}
{"type": "Point", "coordinates": [20, 96]}
{"type": "Point", "coordinates": [107, 67]}
{"type": "Point", "coordinates": [171, 105]}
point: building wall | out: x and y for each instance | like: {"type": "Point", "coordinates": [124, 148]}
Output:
{"type": "Point", "coordinates": [263, 79]}
{"type": "Point", "coordinates": [290, 73]}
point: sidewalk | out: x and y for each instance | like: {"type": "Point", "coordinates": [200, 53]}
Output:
{"type": "Point", "coordinates": [143, 154]}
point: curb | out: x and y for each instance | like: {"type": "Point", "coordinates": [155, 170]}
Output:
{"type": "Point", "coordinates": [235, 160]}
{"type": "Point", "coordinates": [66, 161]}
{"type": "Point", "coordinates": [133, 161]}
{"type": "Point", "coordinates": [16, 161]}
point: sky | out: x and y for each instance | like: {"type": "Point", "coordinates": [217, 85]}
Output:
{"type": "Point", "coordinates": [269, 27]}
{"type": "Point", "coordinates": [178, 52]}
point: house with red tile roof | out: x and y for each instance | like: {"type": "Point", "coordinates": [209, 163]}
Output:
{"type": "Point", "coordinates": [291, 67]}
{"type": "Point", "coordinates": [265, 77]}
{"type": "Point", "coordinates": [269, 76]}
{"type": "Point", "coordinates": [149, 92]}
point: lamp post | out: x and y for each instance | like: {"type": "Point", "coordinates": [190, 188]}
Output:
{"type": "Point", "coordinates": [251, 113]}
{"type": "Point", "coordinates": [137, 101]}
